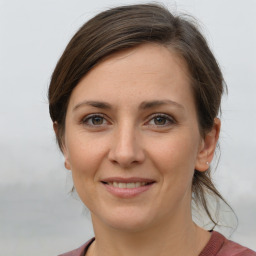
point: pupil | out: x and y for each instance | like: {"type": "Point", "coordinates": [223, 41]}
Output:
{"type": "Point", "coordinates": [97, 120]}
{"type": "Point", "coordinates": [160, 120]}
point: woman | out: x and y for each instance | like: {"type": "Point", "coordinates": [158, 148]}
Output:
{"type": "Point", "coordinates": [134, 100]}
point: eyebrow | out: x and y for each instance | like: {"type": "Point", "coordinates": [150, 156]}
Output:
{"type": "Point", "coordinates": [157, 103]}
{"type": "Point", "coordinates": [144, 105]}
{"type": "Point", "coordinates": [96, 104]}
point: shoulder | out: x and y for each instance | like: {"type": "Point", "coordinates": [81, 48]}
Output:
{"type": "Point", "coordinates": [220, 246]}
{"type": "Point", "coordinates": [233, 249]}
{"type": "Point", "coordinates": [79, 251]}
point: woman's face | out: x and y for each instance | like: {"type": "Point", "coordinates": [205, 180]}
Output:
{"type": "Point", "coordinates": [132, 139]}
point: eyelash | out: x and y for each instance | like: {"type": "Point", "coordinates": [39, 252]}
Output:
{"type": "Point", "coordinates": [85, 121]}
{"type": "Point", "coordinates": [167, 118]}
{"type": "Point", "coordinates": [170, 121]}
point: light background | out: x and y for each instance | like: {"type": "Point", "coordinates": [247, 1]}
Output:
{"type": "Point", "coordinates": [37, 215]}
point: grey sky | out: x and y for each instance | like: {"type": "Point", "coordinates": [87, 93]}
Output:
{"type": "Point", "coordinates": [36, 213]}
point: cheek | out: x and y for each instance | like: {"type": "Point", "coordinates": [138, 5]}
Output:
{"type": "Point", "coordinates": [175, 157]}
{"type": "Point", "coordinates": [85, 154]}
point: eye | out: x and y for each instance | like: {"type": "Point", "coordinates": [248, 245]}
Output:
{"type": "Point", "coordinates": [95, 120]}
{"type": "Point", "coordinates": [161, 120]}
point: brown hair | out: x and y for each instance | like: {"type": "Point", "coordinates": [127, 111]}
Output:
{"type": "Point", "coordinates": [129, 26]}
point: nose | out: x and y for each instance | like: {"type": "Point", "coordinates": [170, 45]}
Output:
{"type": "Point", "coordinates": [126, 150]}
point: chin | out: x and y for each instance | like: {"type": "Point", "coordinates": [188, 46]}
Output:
{"type": "Point", "coordinates": [129, 225]}
{"type": "Point", "coordinates": [128, 220]}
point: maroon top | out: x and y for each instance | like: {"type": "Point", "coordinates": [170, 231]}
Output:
{"type": "Point", "coordinates": [218, 245]}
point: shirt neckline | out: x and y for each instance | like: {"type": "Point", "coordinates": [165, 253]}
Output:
{"type": "Point", "coordinates": [212, 247]}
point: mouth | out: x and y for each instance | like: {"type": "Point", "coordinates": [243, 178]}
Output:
{"type": "Point", "coordinates": [127, 187]}
{"type": "Point", "coordinates": [127, 184]}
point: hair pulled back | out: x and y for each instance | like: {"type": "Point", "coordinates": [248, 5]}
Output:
{"type": "Point", "coordinates": [129, 26]}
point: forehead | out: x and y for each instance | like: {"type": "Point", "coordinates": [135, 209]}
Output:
{"type": "Point", "coordinates": [149, 59]}
{"type": "Point", "coordinates": [148, 70]}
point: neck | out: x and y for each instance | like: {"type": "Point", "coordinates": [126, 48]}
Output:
{"type": "Point", "coordinates": [176, 236]}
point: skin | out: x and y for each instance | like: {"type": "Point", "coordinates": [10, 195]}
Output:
{"type": "Point", "coordinates": [126, 140]}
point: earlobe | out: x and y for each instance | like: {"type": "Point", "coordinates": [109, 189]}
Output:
{"type": "Point", "coordinates": [207, 147]}
{"type": "Point", "coordinates": [64, 150]}
{"type": "Point", "coordinates": [66, 163]}
{"type": "Point", "coordinates": [55, 127]}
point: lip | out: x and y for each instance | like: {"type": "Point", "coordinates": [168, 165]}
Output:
{"type": "Point", "coordinates": [127, 192]}
{"type": "Point", "coordinates": [127, 180]}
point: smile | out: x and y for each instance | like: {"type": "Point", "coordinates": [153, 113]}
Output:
{"type": "Point", "coordinates": [128, 185]}
{"type": "Point", "coordinates": [127, 188]}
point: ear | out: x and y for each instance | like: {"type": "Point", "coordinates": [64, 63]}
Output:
{"type": "Point", "coordinates": [207, 147]}
{"type": "Point", "coordinates": [63, 148]}
{"type": "Point", "coordinates": [55, 127]}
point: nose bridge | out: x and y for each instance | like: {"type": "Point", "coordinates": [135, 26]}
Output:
{"type": "Point", "coordinates": [126, 148]}
{"type": "Point", "coordinates": [126, 138]}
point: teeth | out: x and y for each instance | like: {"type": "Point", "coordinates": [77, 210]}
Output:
{"type": "Point", "coordinates": [127, 185]}
{"type": "Point", "coordinates": [131, 185]}
{"type": "Point", "coordinates": [122, 185]}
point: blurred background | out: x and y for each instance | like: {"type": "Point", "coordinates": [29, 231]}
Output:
{"type": "Point", "coordinates": [37, 213]}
